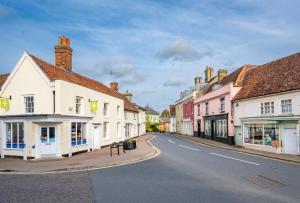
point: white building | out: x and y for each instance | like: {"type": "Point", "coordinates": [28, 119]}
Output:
{"type": "Point", "coordinates": [49, 110]}
{"type": "Point", "coordinates": [267, 108]}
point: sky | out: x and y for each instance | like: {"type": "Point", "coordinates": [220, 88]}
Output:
{"type": "Point", "coordinates": [154, 49]}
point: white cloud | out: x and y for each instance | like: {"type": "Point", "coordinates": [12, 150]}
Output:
{"type": "Point", "coordinates": [175, 82]}
{"type": "Point", "coordinates": [180, 50]}
{"type": "Point", "coordinates": [116, 68]}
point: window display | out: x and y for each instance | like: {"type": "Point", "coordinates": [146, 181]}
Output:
{"type": "Point", "coordinates": [260, 134]}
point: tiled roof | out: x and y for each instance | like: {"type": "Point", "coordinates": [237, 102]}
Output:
{"type": "Point", "coordinates": [236, 77]}
{"type": "Point", "coordinates": [55, 73]}
{"type": "Point", "coordinates": [277, 76]}
{"type": "Point", "coordinates": [3, 78]}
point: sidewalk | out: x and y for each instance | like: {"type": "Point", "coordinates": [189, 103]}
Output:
{"type": "Point", "coordinates": [85, 161]}
{"type": "Point", "coordinates": [212, 143]}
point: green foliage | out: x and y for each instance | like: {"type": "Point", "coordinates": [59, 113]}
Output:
{"type": "Point", "coordinates": [152, 127]}
{"type": "Point", "coordinates": [165, 113]}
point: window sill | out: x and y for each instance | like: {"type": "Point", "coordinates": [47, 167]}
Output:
{"type": "Point", "coordinates": [19, 149]}
{"type": "Point", "coordinates": [76, 146]}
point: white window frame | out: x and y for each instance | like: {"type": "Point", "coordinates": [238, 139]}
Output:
{"type": "Point", "coordinates": [83, 134]}
{"type": "Point", "coordinates": [206, 108]}
{"type": "Point", "coordinates": [11, 135]}
{"type": "Point", "coordinates": [106, 109]}
{"type": "Point", "coordinates": [25, 104]}
{"type": "Point", "coordinates": [267, 108]}
{"type": "Point", "coordinates": [286, 106]}
{"type": "Point", "coordinates": [222, 104]}
{"type": "Point", "coordinates": [118, 129]}
{"type": "Point", "coordinates": [79, 105]}
{"type": "Point", "coordinates": [105, 130]}
{"type": "Point", "coordinates": [118, 111]}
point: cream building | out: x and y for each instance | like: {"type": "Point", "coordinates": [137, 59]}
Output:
{"type": "Point", "coordinates": [51, 111]}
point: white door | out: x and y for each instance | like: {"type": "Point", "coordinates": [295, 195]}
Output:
{"type": "Point", "coordinates": [48, 141]}
{"type": "Point", "coordinates": [291, 143]}
{"type": "Point", "coordinates": [96, 136]}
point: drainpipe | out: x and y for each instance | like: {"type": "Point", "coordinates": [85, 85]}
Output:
{"type": "Point", "coordinates": [53, 101]}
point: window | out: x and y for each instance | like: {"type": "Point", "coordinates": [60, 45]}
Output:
{"type": "Point", "coordinates": [267, 108]}
{"type": "Point", "coordinates": [105, 109]}
{"type": "Point", "coordinates": [134, 116]}
{"type": "Point", "coordinates": [286, 106]}
{"type": "Point", "coordinates": [118, 112]}
{"type": "Point", "coordinates": [78, 105]}
{"type": "Point", "coordinates": [222, 128]}
{"type": "Point", "coordinates": [78, 134]}
{"type": "Point", "coordinates": [47, 134]}
{"type": "Point", "coordinates": [126, 115]}
{"type": "Point", "coordinates": [261, 134]}
{"type": "Point", "coordinates": [198, 109]}
{"type": "Point", "coordinates": [207, 127]}
{"type": "Point", "coordinates": [118, 129]}
{"type": "Point", "coordinates": [105, 129]}
{"type": "Point", "coordinates": [222, 103]}
{"type": "Point", "coordinates": [29, 104]}
{"type": "Point", "coordinates": [206, 108]}
{"type": "Point", "coordinates": [15, 135]}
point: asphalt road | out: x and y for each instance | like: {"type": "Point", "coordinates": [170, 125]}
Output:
{"type": "Point", "coordinates": [183, 172]}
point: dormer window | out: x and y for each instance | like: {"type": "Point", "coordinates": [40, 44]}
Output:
{"type": "Point", "coordinates": [216, 86]}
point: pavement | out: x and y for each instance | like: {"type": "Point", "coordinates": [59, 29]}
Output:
{"type": "Point", "coordinates": [183, 172]}
{"type": "Point", "coordinates": [96, 159]}
{"type": "Point", "coordinates": [213, 143]}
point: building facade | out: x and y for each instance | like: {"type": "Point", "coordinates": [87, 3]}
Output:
{"type": "Point", "coordinates": [267, 108]}
{"type": "Point", "coordinates": [50, 111]}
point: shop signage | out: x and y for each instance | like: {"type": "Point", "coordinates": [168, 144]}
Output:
{"type": "Point", "coordinates": [4, 103]}
{"type": "Point", "coordinates": [94, 105]}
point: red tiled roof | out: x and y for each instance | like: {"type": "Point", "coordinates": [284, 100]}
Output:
{"type": "Point", "coordinates": [56, 73]}
{"type": "Point", "coordinates": [277, 76]}
{"type": "Point", "coordinates": [3, 78]}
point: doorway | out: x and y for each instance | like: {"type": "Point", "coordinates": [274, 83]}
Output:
{"type": "Point", "coordinates": [199, 128]}
{"type": "Point", "coordinates": [48, 140]}
{"type": "Point", "coordinates": [291, 143]}
{"type": "Point", "coordinates": [213, 129]}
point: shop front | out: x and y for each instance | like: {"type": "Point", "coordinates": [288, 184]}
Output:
{"type": "Point", "coordinates": [278, 136]}
{"type": "Point", "coordinates": [216, 128]}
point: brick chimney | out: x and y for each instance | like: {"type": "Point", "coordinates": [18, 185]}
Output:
{"type": "Point", "coordinates": [114, 86]}
{"type": "Point", "coordinates": [209, 73]}
{"type": "Point", "coordinates": [198, 81]}
{"type": "Point", "coordinates": [221, 74]}
{"type": "Point", "coordinates": [63, 53]}
{"type": "Point", "coordinates": [128, 95]}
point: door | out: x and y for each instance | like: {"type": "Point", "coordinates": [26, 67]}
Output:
{"type": "Point", "coordinates": [291, 143]}
{"type": "Point", "coordinates": [96, 132]}
{"type": "Point", "coordinates": [199, 127]}
{"type": "Point", "coordinates": [213, 129]}
{"type": "Point", "coordinates": [48, 141]}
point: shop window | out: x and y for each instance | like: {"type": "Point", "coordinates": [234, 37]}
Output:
{"type": "Point", "coordinates": [261, 134]}
{"type": "Point", "coordinates": [15, 135]}
{"type": "Point", "coordinates": [29, 104]}
{"type": "Point", "coordinates": [222, 128]}
{"type": "Point", "coordinates": [78, 134]}
{"type": "Point", "coordinates": [286, 106]}
{"type": "Point", "coordinates": [207, 127]}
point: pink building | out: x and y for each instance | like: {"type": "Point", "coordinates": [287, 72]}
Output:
{"type": "Point", "coordinates": [213, 118]}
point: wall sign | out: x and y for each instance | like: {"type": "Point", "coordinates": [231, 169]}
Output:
{"type": "Point", "coordinates": [4, 103]}
{"type": "Point", "coordinates": [94, 105]}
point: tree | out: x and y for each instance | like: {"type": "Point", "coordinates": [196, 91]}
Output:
{"type": "Point", "coordinates": [165, 113]}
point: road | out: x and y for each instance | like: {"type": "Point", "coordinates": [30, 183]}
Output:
{"type": "Point", "coordinates": [183, 172]}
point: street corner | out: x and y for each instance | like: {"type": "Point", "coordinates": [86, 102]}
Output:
{"type": "Point", "coordinates": [97, 159]}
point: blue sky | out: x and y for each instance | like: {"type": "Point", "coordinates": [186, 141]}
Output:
{"type": "Point", "coordinates": [152, 48]}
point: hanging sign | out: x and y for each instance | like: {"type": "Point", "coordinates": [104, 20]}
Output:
{"type": "Point", "coordinates": [4, 103]}
{"type": "Point", "coordinates": [94, 105]}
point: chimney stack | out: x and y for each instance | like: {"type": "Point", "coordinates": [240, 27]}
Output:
{"type": "Point", "coordinates": [198, 81]}
{"type": "Point", "coordinates": [209, 72]}
{"type": "Point", "coordinates": [128, 95]}
{"type": "Point", "coordinates": [114, 86]}
{"type": "Point", "coordinates": [63, 53]}
{"type": "Point", "coordinates": [221, 74]}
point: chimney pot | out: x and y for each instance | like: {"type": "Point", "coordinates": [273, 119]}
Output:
{"type": "Point", "coordinates": [221, 74]}
{"type": "Point", "coordinates": [209, 72]}
{"type": "Point", "coordinates": [114, 86]}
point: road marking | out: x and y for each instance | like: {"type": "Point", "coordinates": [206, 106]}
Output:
{"type": "Point", "coordinates": [228, 157]}
{"type": "Point", "coordinates": [189, 148]}
{"type": "Point", "coordinates": [171, 141]}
